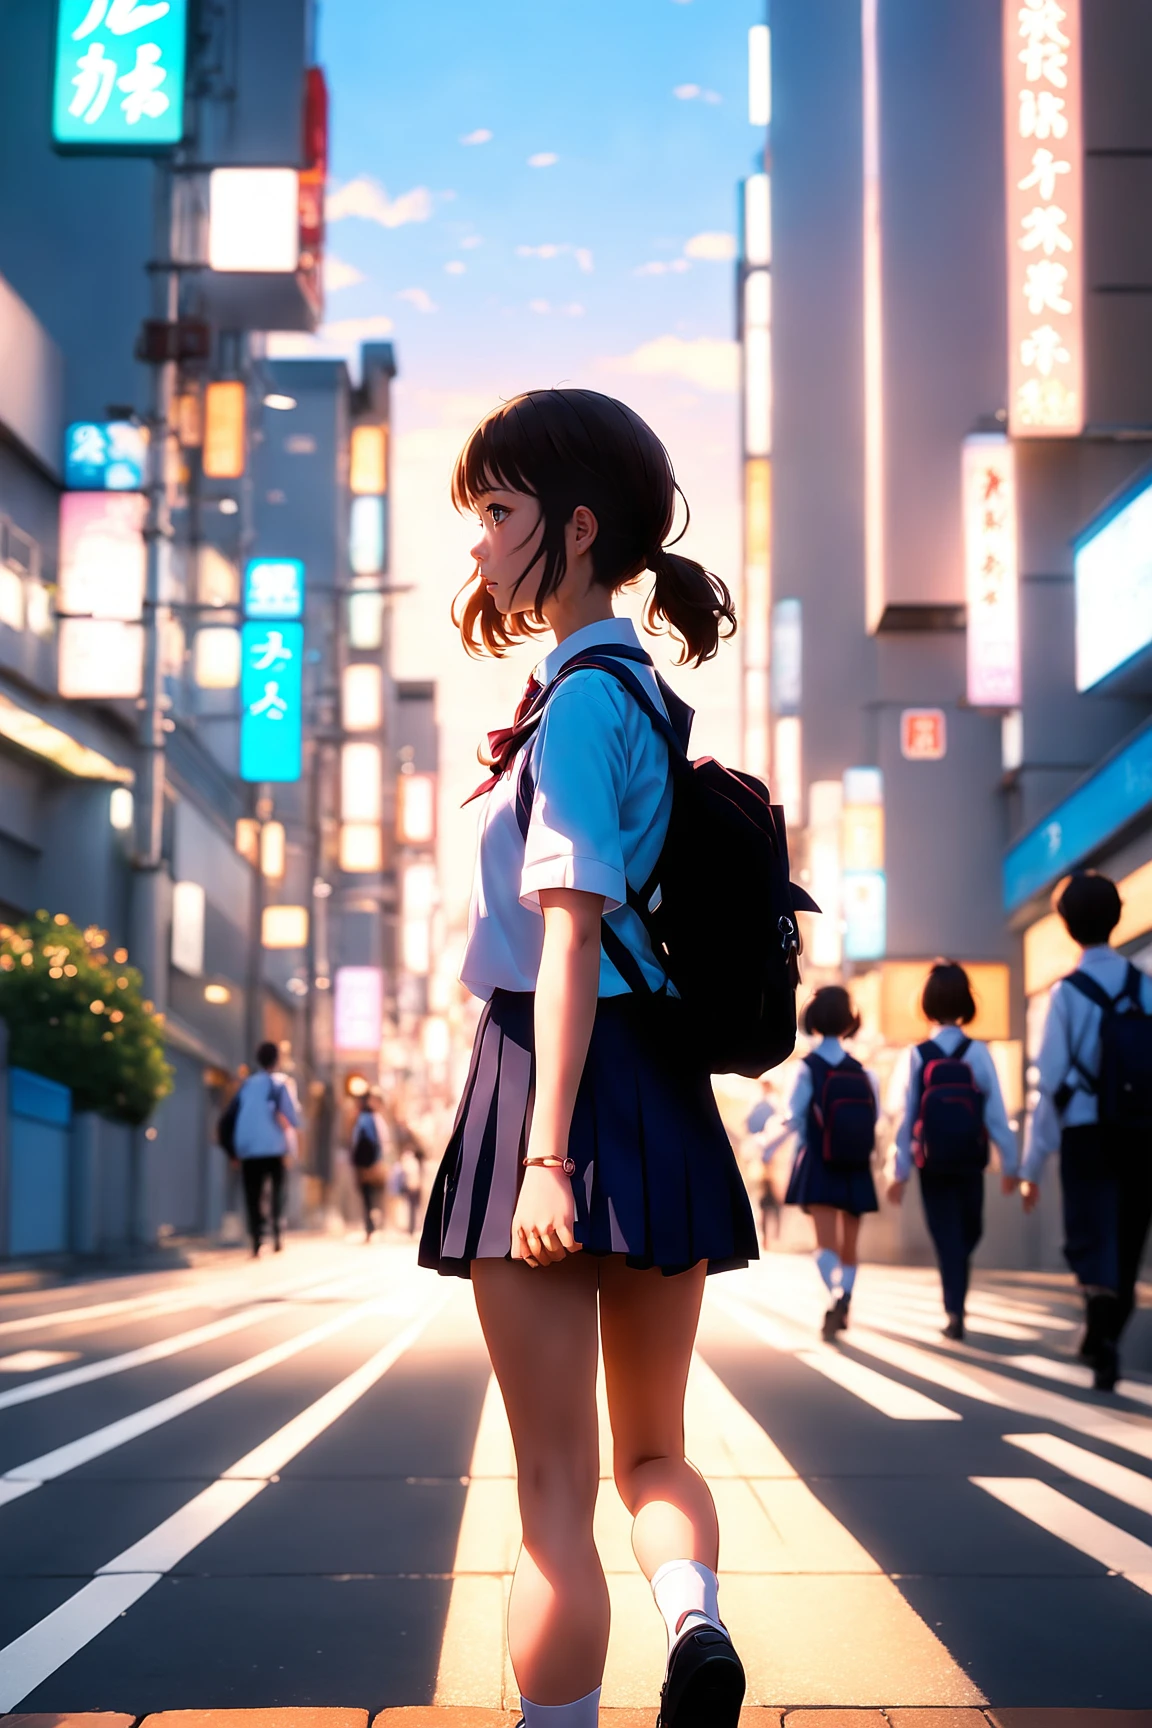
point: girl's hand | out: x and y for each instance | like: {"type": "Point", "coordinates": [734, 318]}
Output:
{"type": "Point", "coordinates": [896, 1192]}
{"type": "Point", "coordinates": [1030, 1195]}
{"type": "Point", "coordinates": [1009, 1184]}
{"type": "Point", "coordinates": [544, 1216]}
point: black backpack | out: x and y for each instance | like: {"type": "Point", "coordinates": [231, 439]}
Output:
{"type": "Point", "coordinates": [1123, 1087]}
{"type": "Point", "coordinates": [949, 1136]}
{"type": "Point", "coordinates": [226, 1126]}
{"type": "Point", "coordinates": [842, 1115]}
{"type": "Point", "coordinates": [718, 907]}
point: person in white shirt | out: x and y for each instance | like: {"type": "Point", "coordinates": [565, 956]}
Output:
{"type": "Point", "coordinates": [836, 1190]}
{"type": "Point", "coordinates": [267, 1116]}
{"type": "Point", "coordinates": [589, 1184]}
{"type": "Point", "coordinates": [1105, 1168]}
{"type": "Point", "coordinates": [953, 1197]}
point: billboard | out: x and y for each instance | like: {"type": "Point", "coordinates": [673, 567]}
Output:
{"type": "Point", "coordinates": [119, 74]}
{"type": "Point", "coordinates": [991, 570]}
{"type": "Point", "coordinates": [358, 1012]}
{"type": "Point", "coordinates": [271, 701]}
{"type": "Point", "coordinates": [274, 588]}
{"type": "Point", "coordinates": [1113, 565]}
{"type": "Point", "coordinates": [105, 456]}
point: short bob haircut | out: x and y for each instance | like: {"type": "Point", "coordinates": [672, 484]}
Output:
{"type": "Point", "coordinates": [830, 1014]}
{"type": "Point", "coordinates": [1089, 904]}
{"type": "Point", "coordinates": [568, 448]}
{"type": "Point", "coordinates": [948, 997]}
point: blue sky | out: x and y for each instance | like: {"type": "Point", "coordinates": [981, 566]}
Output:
{"type": "Point", "coordinates": [639, 173]}
{"type": "Point", "coordinates": [608, 264]}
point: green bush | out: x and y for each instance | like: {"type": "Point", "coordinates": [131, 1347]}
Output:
{"type": "Point", "coordinates": [75, 1014]}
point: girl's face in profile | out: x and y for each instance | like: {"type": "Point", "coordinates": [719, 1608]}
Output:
{"type": "Point", "coordinates": [511, 524]}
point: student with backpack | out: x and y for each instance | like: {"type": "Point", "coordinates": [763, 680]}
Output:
{"type": "Point", "coordinates": [1095, 1108]}
{"type": "Point", "coordinates": [371, 1142]}
{"type": "Point", "coordinates": [589, 1185]}
{"type": "Point", "coordinates": [834, 1107]}
{"type": "Point", "coordinates": [266, 1114]}
{"type": "Point", "coordinates": [952, 1108]}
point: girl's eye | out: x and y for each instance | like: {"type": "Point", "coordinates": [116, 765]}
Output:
{"type": "Point", "coordinates": [497, 513]}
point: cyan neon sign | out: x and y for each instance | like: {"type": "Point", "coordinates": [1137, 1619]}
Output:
{"type": "Point", "coordinates": [274, 588]}
{"type": "Point", "coordinates": [271, 701]}
{"type": "Point", "coordinates": [119, 74]}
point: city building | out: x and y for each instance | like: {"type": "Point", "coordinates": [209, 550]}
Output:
{"type": "Point", "coordinates": [945, 319]}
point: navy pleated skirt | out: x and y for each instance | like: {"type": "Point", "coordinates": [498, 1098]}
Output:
{"type": "Point", "coordinates": [813, 1182]}
{"type": "Point", "coordinates": [656, 1179]}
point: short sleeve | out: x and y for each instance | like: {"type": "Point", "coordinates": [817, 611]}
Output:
{"type": "Point", "coordinates": [580, 772]}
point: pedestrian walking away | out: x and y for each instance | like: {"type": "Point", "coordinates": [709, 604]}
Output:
{"type": "Point", "coordinates": [833, 1109]}
{"type": "Point", "coordinates": [266, 1115]}
{"type": "Point", "coordinates": [758, 1124]}
{"type": "Point", "coordinates": [952, 1108]}
{"type": "Point", "coordinates": [1095, 1108]}
{"type": "Point", "coordinates": [589, 1182]}
{"type": "Point", "coordinates": [370, 1145]}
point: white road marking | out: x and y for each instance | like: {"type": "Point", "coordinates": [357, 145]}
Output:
{"type": "Point", "coordinates": [45, 1647]}
{"type": "Point", "coordinates": [32, 1361]}
{"type": "Point", "coordinates": [1074, 1524]}
{"type": "Point", "coordinates": [49, 1465]}
{"type": "Point", "coordinates": [1078, 1374]}
{"type": "Point", "coordinates": [890, 1397]}
{"type": "Point", "coordinates": [1111, 1478]}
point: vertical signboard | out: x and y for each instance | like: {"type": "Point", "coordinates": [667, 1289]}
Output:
{"type": "Point", "coordinates": [271, 701]}
{"type": "Point", "coordinates": [991, 574]}
{"type": "Point", "coordinates": [274, 588]}
{"type": "Point", "coordinates": [358, 1012]}
{"type": "Point", "coordinates": [100, 594]}
{"type": "Point", "coordinates": [863, 884]}
{"type": "Point", "coordinates": [119, 74]}
{"type": "Point", "coordinates": [1044, 166]}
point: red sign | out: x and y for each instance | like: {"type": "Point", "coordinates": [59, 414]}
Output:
{"type": "Point", "coordinates": [923, 734]}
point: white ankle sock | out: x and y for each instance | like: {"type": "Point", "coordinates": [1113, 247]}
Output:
{"type": "Point", "coordinates": [828, 1264]}
{"type": "Point", "coordinates": [686, 1595]}
{"type": "Point", "coordinates": [584, 1713]}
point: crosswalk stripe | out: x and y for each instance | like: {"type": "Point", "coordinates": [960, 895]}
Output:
{"type": "Point", "coordinates": [1079, 1374]}
{"type": "Point", "coordinates": [31, 1658]}
{"type": "Point", "coordinates": [21, 1478]}
{"type": "Point", "coordinates": [1043, 1505]}
{"type": "Point", "coordinates": [891, 1397]}
{"type": "Point", "coordinates": [1103, 1473]}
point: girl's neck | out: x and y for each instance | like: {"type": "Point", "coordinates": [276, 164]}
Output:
{"type": "Point", "coordinates": [566, 611]}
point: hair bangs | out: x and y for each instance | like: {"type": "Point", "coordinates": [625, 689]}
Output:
{"type": "Point", "coordinates": [496, 456]}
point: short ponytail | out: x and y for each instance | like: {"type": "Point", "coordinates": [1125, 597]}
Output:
{"type": "Point", "coordinates": [694, 604]}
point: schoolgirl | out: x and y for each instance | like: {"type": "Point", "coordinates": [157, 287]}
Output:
{"type": "Point", "coordinates": [834, 1192]}
{"type": "Point", "coordinates": [953, 1197]}
{"type": "Point", "coordinates": [589, 1183]}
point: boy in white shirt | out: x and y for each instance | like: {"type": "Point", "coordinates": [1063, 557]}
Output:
{"type": "Point", "coordinates": [1105, 1166]}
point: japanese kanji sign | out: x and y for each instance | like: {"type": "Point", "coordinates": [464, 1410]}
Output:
{"type": "Point", "coordinates": [1044, 157]}
{"type": "Point", "coordinates": [274, 588]}
{"type": "Point", "coordinates": [991, 571]}
{"type": "Point", "coordinates": [271, 701]}
{"type": "Point", "coordinates": [119, 75]}
{"type": "Point", "coordinates": [923, 734]}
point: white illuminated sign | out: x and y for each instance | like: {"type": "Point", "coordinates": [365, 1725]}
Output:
{"type": "Point", "coordinates": [188, 928]}
{"type": "Point", "coordinates": [254, 219]}
{"type": "Point", "coordinates": [102, 555]}
{"type": "Point", "coordinates": [991, 573]}
{"type": "Point", "coordinates": [1044, 166]}
{"type": "Point", "coordinates": [358, 1012]}
{"type": "Point", "coordinates": [100, 658]}
{"type": "Point", "coordinates": [361, 783]}
{"type": "Point", "coordinates": [1113, 563]}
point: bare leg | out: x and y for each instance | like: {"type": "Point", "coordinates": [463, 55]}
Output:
{"type": "Point", "coordinates": [849, 1231]}
{"type": "Point", "coordinates": [648, 1325]}
{"type": "Point", "coordinates": [540, 1328]}
{"type": "Point", "coordinates": [824, 1222]}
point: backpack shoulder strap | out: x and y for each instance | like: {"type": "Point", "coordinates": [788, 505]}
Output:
{"type": "Point", "coordinates": [1133, 991]}
{"type": "Point", "coordinates": [961, 1050]}
{"type": "Point", "coordinates": [929, 1051]}
{"type": "Point", "coordinates": [1095, 993]}
{"type": "Point", "coordinates": [849, 1066]}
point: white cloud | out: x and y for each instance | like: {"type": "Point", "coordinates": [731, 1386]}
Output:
{"type": "Point", "coordinates": [543, 159]}
{"type": "Point", "coordinates": [357, 329]}
{"type": "Point", "coordinates": [705, 361]}
{"type": "Point", "coordinates": [541, 306]}
{"type": "Point", "coordinates": [585, 262]}
{"type": "Point", "coordinates": [480, 136]}
{"type": "Point", "coordinates": [366, 198]}
{"type": "Point", "coordinates": [455, 267]}
{"type": "Point", "coordinates": [544, 307]}
{"type": "Point", "coordinates": [339, 337]}
{"type": "Point", "coordinates": [696, 93]}
{"type": "Point", "coordinates": [338, 274]}
{"type": "Point", "coordinates": [470, 241]}
{"type": "Point", "coordinates": [663, 267]}
{"type": "Point", "coordinates": [573, 310]}
{"type": "Point", "coordinates": [712, 245]}
{"type": "Point", "coordinates": [418, 297]}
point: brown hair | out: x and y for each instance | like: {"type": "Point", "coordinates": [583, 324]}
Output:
{"type": "Point", "coordinates": [830, 1013]}
{"type": "Point", "coordinates": [571, 447]}
{"type": "Point", "coordinates": [1089, 904]}
{"type": "Point", "coordinates": [948, 994]}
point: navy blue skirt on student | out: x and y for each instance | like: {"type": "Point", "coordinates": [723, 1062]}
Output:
{"type": "Point", "coordinates": [656, 1179]}
{"type": "Point", "coordinates": [814, 1182]}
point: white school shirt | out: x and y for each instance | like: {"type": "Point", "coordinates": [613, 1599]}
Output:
{"type": "Point", "coordinates": [948, 1039]}
{"type": "Point", "coordinates": [1073, 1029]}
{"type": "Point", "coordinates": [603, 796]}
{"type": "Point", "coordinates": [833, 1052]}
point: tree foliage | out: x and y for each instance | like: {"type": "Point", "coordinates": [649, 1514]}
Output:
{"type": "Point", "coordinates": [76, 1014]}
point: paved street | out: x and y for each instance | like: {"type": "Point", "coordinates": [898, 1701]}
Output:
{"type": "Point", "coordinates": [290, 1483]}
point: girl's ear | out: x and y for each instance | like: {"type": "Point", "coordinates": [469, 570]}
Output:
{"type": "Point", "coordinates": [584, 529]}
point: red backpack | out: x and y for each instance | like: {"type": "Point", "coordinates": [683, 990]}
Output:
{"type": "Point", "coordinates": [949, 1136]}
{"type": "Point", "coordinates": [842, 1117]}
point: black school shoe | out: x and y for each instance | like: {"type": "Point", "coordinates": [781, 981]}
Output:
{"type": "Point", "coordinates": [1105, 1366]}
{"type": "Point", "coordinates": [704, 1684]}
{"type": "Point", "coordinates": [954, 1331]}
{"type": "Point", "coordinates": [841, 1312]}
{"type": "Point", "coordinates": [831, 1325]}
